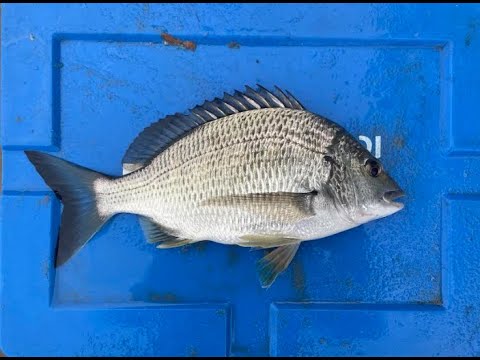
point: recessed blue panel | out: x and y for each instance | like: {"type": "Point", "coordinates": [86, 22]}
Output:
{"type": "Point", "coordinates": [81, 80]}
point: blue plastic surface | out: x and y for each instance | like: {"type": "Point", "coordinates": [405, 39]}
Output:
{"type": "Point", "coordinates": [80, 81]}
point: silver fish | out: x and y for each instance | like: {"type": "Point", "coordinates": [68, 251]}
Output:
{"type": "Point", "coordinates": [254, 169]}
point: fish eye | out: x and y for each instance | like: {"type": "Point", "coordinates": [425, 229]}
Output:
{"type": "Point", "coordinates": [373, 167]}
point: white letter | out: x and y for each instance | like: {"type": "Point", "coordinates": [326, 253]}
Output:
{"type": "Point", "coordinates": [367, 141]}
{"type": "Point", "coordinates": [378, 146]}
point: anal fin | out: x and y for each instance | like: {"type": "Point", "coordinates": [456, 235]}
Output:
{"type": "Point", "coordinates": [156, 233]}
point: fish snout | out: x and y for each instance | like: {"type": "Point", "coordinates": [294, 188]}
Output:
{"type": "Point", "coordinates": [391, 195]}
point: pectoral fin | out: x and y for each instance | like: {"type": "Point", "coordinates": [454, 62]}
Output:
{"type": "Point", "coordinates": [285, 207]}
{"type": "Point", "coordinates": [173, 243]}
{"type": "Point", "coordinates": [272, 264]}
{"type": "Point", "coordinates": [266, 241]}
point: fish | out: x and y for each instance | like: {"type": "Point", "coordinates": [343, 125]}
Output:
{"type": "Point", "coordinates": [253, 168]}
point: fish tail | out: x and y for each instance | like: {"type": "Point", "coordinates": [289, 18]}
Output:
{"type": "Point", "coordinates": [74, 186]}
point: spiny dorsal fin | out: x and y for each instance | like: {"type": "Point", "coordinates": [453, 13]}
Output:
{"type": "Point", "coordinates": [161, 134]}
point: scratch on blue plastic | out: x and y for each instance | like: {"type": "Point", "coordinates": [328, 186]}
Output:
{"type": "Point", "coordinates": [82, 80]}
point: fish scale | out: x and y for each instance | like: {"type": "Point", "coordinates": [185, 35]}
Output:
{"type": "Point", "coordinates": [182, 171]}
{"type": "Point", "coordinates": [253, 169]}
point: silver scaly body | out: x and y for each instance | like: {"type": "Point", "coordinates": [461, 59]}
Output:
{"type": "Point", "coordinates": [255, 152]}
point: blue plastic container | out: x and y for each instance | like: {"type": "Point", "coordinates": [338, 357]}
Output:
{"type": "Point", "coordinates": [80, 81]}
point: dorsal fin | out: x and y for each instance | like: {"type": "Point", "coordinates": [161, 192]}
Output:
{"type": "Point", "coordinates": [161, 134]}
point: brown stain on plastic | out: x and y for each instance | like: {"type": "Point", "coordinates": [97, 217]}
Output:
{"type": "Point", "coordinates": [193, 352]}
{"type": "Point", "coordinates": [468, 310]}
{"type": "Point", "coordinates": [44, 200]}
{"type": "Point", "coordinates": [233, 45]}
{"type": "Point", "coordinates": [299, 278]}
{"type": "Point", "coordinates": [412, 67]}
{"type": "Point", "coordinates": [200, 246]}
{"type": "Point", "coordinates": [239, 349]}
{"type": "Point", "coordinates": [173, 41]}
{"type": "Point", "coordinates": [232, 257]}
{"type": "Point", "coordinates": [164, 297]}
{"type": "Point", "coordinates": [437, 299]}
{"type": "Point", "coordinates": [220, 312]}
{"type": "Point", "coordinates": [349, 283]}
{"type": "Point", "coordinates": [472, 30]}
{"type": "Point", "coordinates": [46, 268]}
{"type": "Point", "coordinates": [399, 142]}
{"type": "Point", "coordinates": [76, 298]}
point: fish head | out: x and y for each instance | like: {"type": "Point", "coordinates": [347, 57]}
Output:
{"type": "Point", "coordinates": [361, 184]}
{"type": "Point", "coordinates": [376, 191]}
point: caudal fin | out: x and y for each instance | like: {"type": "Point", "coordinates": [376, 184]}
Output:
{"type": "Point", "coordinates": [74, 186]}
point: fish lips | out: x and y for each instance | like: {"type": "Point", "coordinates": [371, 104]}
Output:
{"type": "Point", "coordinates": [389, 196]}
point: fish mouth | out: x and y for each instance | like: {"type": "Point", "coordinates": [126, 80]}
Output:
{"type": "Point", "coordinates": [389, 196]}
